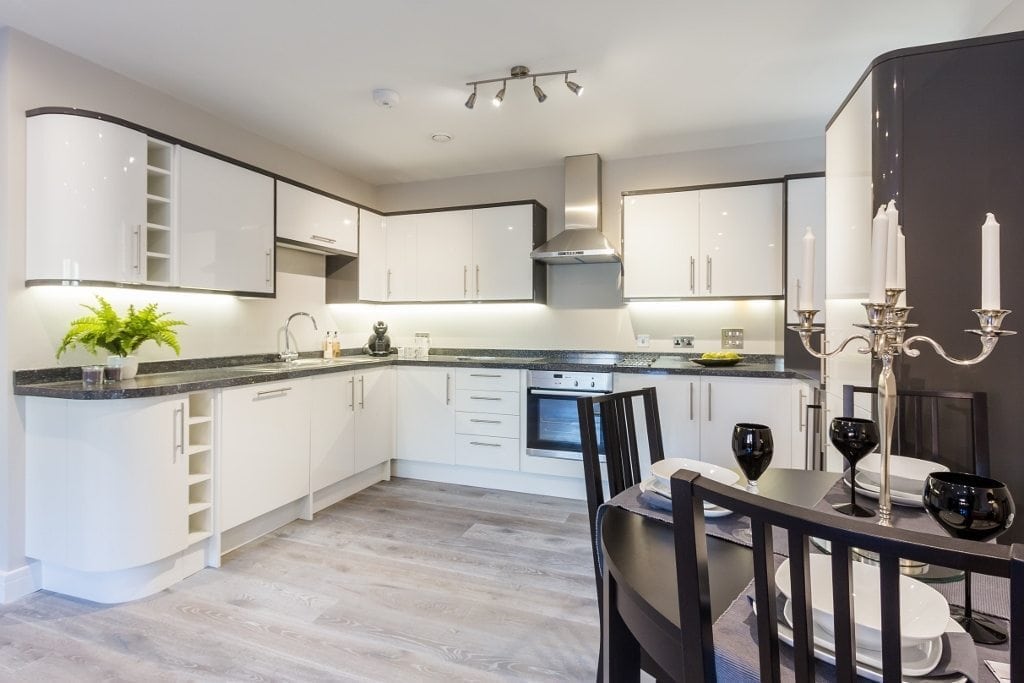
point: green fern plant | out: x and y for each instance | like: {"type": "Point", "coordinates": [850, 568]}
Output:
{"type": "Point", "coordinates": [105, 329]}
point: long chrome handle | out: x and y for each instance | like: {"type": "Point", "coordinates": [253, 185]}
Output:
{"type": "Point", "coordinates": [447, 388]}
{"type": "Point", "coordinates": [138, 249]}
{"type": "Point", "coordinates": [320, 238]}
{"type": "Point", "coordinates": [362, 391]}
{"type": "Point", "coordinates": [549, 392]}
{"type": "Point", "coordinates": [486, 422]}
{"type": "Point", "coordinates": [389, 283]}
{"type": "Point", "coordinates": [270, 268]}
{"type": "Point", "coordinates": [484, 443]}
{"type": "Point", "coordinates": [479, 374]}
{"type": "Point", "coordinates": [709, 403]}
{"type": "Point", "coordinates": [465, 285]}
{"type": "Point", "coordinates": [179, 436]}
{"type": "Point", "coordinates": [478, 280]}
{"type": "Point", "coordinates": [485, 398]}
{"type": "Point", "coordinates": [709, 274]}
{"type": "Point", "coordinates": [693, 275]}
{"type": "Point", "coordinates": [691, 401]}
{"type": "Point", "coordinates": [352, 394]}
{"type": "Point", "coordinates": [273, 392]}
{"type": "Point", "coordinates": [801, 423]}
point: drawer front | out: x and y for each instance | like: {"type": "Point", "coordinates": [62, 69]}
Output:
{"type": "Point", "coordinates": [487, 424]}
{"type": "Point", "coordinates": [487, 451]}
{"type": "Point", "coordinates": [487, 379]}
{"type": "Point", "coordinates": [476, 401]}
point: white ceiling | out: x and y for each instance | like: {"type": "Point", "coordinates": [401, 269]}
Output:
{"type": "Point", "coordinates": [659, 75]}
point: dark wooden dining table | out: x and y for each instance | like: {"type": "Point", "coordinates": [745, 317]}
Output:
{"type": "Point", "coordinates": [641, 595]}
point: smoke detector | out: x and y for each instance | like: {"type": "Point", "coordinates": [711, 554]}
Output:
{"type": "Point", "coordinates": [386, 98]}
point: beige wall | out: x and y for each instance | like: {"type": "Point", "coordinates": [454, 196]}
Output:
{"type": "Point", "coordinates": [585, 301]}
{"type": "Point", "coordinates": [32, 321]}
{"type": "Point", "coordinates": [1009, 20]}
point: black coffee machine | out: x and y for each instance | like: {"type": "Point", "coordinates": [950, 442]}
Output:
{"type": "Point", "coordinates": [379, 343]}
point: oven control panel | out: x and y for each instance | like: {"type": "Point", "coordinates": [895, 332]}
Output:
{"type": "Point", "coordinates": [594, 382]}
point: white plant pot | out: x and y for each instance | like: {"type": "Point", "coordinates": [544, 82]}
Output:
{"type": "Point", "coordinates": [129, 365]}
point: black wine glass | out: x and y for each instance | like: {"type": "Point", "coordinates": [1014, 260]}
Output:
{"type": "Point", "coordinates": [855, 437]}
{"type": "Point", "coordinates": [753, 447]}
{"type": "Point", "coordinates": [978, 509]}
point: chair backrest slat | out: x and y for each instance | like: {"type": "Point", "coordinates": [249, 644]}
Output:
{"type": "Point", "coordinates": [695, 610]}
{"type": "Point", "coordinates": [842, 604]}
{"type": "Point", "coordinates": [764, 596]}
{"type": "Point", "coordinates": [889, 573]}
{"type": "Point", "coordinates": [800, 582]}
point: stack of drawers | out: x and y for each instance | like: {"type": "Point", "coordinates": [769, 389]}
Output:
{"type": "Point", "coordinates": [487, 418]}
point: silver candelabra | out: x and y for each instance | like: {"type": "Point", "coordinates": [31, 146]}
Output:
{"type": "Point", "coordinates": [885, 339]}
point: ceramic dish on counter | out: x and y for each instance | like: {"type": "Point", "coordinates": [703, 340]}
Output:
{"type": "Point", "coordinates": [924, 612]}
{"type": "Point", "coordinates": [717, 362]}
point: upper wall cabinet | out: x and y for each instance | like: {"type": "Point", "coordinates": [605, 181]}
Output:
{"type": "Point", "coordinates": [315, 222]}
{"type": "Point", "coordinates": [715, 242]}
{"type": "Point", "coordinates": [372, 261]}
{"type": "Point", "coordinates": [99, 203]}
{"type": "Point", "coordinates": [805, 207]}
{"type": "Point", "coordinates": [503, 237]}
{"type": "Point", "coordinates": [226, 224]}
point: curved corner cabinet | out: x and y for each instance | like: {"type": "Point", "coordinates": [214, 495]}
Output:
{"type": "Point", "coordinates": [119, 494]}
{"type": "Point", "coordinates": [112, 203]}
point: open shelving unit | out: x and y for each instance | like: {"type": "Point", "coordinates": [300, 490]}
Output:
{"type": "Point", "coordinates": [199, 451]}
{"type": "Point", "coordinates": [160, 187]}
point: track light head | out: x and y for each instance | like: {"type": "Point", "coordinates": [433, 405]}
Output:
{"type": "Point", "coordinates": [500, 96]}
{"type": "Point", "coordinates": [472, 99]}
{"type": "Point", "coordinates": [575, 88]}
{"type": "Point", "coordinates": [538, 92]}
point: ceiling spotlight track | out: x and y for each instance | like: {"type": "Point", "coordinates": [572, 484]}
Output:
{"type": "Point", "coordinates": [519, 73]}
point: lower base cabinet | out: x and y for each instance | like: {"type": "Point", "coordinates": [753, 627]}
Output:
{"type": "Point", "coordinates": [425, 415]}
{"type": "Point", "coordinates": [265, 439]}
{"type": "Point", "coordinates": [375, 417]}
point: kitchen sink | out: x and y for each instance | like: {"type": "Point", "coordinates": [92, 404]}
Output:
{"type": "Point", "coordinates": [301, 363]}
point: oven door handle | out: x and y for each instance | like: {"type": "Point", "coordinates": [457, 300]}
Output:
{"type": "Point", "coordinates": [550, 392]}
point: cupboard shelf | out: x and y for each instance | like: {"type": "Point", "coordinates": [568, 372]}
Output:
{"type": "Point", "coordinates": [157, 199]}
{"type": "Point", "coordinates": [198, 478]}
{"type": "Point", "coordinates": [157, 170]}
{"type": "Point", "coordinates": [157, 254]}
{"type": "Point", "coordinates": [201, 419]}
{"type": "Point", "coordinates": [157, 226]}
{"type": "Point", "coordinates": [197, 449]}
{"type": "Point", "coordinates": [197, 536]}
{"type": "Point", "coordinates": [194, 508]}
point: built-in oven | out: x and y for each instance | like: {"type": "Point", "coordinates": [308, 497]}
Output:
{"type": "Point", "coordinates": [552, 418]}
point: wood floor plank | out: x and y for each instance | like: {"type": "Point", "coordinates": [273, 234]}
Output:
{"type": "Point", "coordinates": [406, 581]}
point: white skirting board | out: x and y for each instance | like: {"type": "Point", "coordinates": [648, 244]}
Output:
{"type": "Point", "coordinates": [521, 482]}
{"type": "Point", "coordinates": [20, 582]}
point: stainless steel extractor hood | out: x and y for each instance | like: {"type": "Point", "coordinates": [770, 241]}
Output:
{"type": "Point", "coordinates": [582, 240]}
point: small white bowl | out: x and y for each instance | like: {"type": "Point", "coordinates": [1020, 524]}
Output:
{"type": "Point", "coordinates": [664, 469]}
{"type": "Point", "coordinates": [905, 474]}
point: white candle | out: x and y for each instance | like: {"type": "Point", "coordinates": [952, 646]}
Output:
{"type": "Point", "coordinates": [891, 251]}
{"type": "Point", "coordinates": [901, 265]}
{"type": "Point", "coordinates": [990, 263]}
{"type": "Point", "coordinates": [806, 299]}
{"type": "Point", "coordinates": [879, 238]}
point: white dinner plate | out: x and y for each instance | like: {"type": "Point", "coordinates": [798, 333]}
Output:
{"type": "Point", "coordinates": [905, 498]}
{"type": "Point", "coordinates": [906, 474]}
{"type": "Point", "coordinates": [917, 660]}
{"type": "Point", "coordinates": [664, 469]}
{"type": "Point", "coordinates": [923, 610]}
{"type": "Point", "coordinates": [657, 487]}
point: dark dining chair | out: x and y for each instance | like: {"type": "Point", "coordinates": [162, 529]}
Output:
{"type": "Point", "coordinates": [614, 418]}
{"type": "Point", "coordinates": [948, 427]}
{"type": "Point", "coordinates": [690, 490]}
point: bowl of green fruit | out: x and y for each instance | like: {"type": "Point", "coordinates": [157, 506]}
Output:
{"type": "Point", "coordinates": [718, 359]}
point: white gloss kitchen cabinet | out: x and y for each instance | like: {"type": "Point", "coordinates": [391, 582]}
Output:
{"type": "Point", "coordinates": [503, 237]}
{"type": "Point", "coordinates": [712, 242]}
{"type": "Point", "coordinates": [99, 203]}
{"type": "Point", "coordinates": [401, 257]}
{"type": "Point", "coordinates": [265, 449]}
{"type": "Point", "coordinates": [425, 415]}
{"type": "Point", "coordinates": [373, 260]}
{"type": "Point", "coordinates": [118, 493]}
{"type": "Point", "coordinates": [805, 207]}
{"type": "Point", "coordinates": [225, 225]}
{"type": "Point", "coordinates": [444, 256]}
{"type": "Point", "coordinates": [315, 222]}
{"type": "Point", "coordinates": [487, 427]}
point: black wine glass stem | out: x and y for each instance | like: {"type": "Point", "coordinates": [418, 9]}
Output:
{"type": "Point", "coordinates": [853, 486]}
{"type": "Point", "coordinates": [967, 595]}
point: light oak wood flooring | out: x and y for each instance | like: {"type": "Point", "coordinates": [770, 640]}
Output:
{"type": "Point", "coordinates": [405, 581]}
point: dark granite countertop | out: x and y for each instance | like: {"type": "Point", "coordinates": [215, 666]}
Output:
{"type": "Point", "coordinates": [179, 377]}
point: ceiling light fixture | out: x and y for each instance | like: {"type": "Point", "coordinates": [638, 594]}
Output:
{"type": "Point", "coordinates": [538, 92]}
{"type": "Point", "coordinates": [520, 73]}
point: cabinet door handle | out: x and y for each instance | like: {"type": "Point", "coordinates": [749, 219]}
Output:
{"type": "Point", "coordinates": [465, 285]}
{"type": "Point", "coordinates": [179, 433]}
{"type": "Point", "coordinates": [320, 238]}
{"type": "Point", "coordinates": [486, 422]}
{"type": "Point", "coordinates": [362, 392]}
{"type": "Point", "coordinates": [693, 275]}
{"type": "Point", "coordinates": [270, 267]}
{"type": "Point", "coordinates": [485, 398]}
{"type": "Point", "coordinates": [352, 394]}
{"type": "Point", "coordinates": [709, 275]}
{"type": "Point", "coordinates": [803, 398]}
{"type": "Point", "coordinates": [478, 281]}
{"type": "Point", "coordinates": [709, 403]}
{"type": "Point", "coordinates": [138, 249]}
{"type": "Point", "coordinates": [447, 388]}
{"type": "Point", "coordinates": [691, 401]}
{"type": "Point", "coordinates": [475, 374]}
{"type": "Point", "coordinates": [484, 443]}
{"type": "Point", "coordinates": [273, 392]}
{"type": "Point", "coordinates": [389, 283]}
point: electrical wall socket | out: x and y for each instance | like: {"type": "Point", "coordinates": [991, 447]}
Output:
{"type": "Point", "coordinates": [732, 337]}
{"type": "Point", "coordinates": [682, 342]}
{"type": "Point", "coordinates": [643, 341]}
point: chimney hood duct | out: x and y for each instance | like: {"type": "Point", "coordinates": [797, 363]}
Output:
{"type": "Point", "coordinates": [582, 240]}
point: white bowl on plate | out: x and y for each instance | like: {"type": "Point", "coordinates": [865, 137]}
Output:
{"type": "Point", "coordinates": [905, 474]}
{"type": "Point", "coordinates": [664, 469]}
{"type": "Point", "coordinates": [923, 610]}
